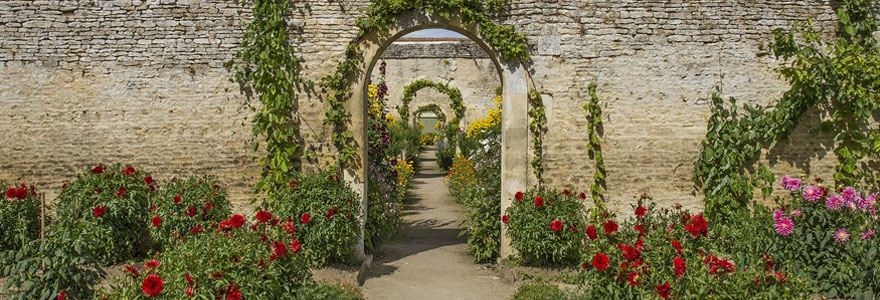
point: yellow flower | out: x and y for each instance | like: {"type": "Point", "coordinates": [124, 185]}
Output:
{"type": "Point", "coordinates": [493, 118]}
{"type": "Point", "coordinates": [389, 118]}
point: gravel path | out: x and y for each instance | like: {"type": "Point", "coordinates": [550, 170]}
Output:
{"type": "Point", "coordinates": [429, 260]}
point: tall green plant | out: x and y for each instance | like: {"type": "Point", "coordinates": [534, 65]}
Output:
{"type": "Point", "coordinates": [594, 149]}
{"type": "Point", "coordinates": [267, 68]}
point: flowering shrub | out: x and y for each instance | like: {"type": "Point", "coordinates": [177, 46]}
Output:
{"type": "Point", "coordinates": [545, 226]}
{"type": "Point", "coordinates": [114, 202]}
{"type": "Point", "coordinates": [228, 260]}
{"type": "Point", "coordinates": [182, 205]}
{"type": "Point", "coordinates": [829, 236]}
{"type": "Point", "coordinates": [323, 213]}
{"type": "Point", "coordinates": [666, 254]}
{"type": "Point", "coordinates": [62, 264]}
{"type": "Point", "coordinates": [19, 216]}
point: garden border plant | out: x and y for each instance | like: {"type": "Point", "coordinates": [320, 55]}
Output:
{"type": "Point", "coordinates": [594, 149]}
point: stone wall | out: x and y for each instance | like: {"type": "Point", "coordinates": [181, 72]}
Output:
{"type": "Point", "coordinates": [142, 82]}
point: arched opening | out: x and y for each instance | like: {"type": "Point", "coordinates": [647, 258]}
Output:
{"type": "Point", "coordinates": [514, 119]}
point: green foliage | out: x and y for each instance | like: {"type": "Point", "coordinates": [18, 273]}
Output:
{"type": "Point", "coordinates": [333, 228]}
{"type": "Point", "coordinates": [121, 225]}
{"type": "Point", "coordinates": [838, 77]}
{"type": "Point", "coordinates": [538, 126]}
{"type": "Point", "coordinates": [378, 18]}
{"type": "Point", "coordinates": [432, 107]}
{"type": "Point", "coordinates": [267, 67]}
{"type": "Point", "coordinates": [61, 263]}
{"type": "Point", "coordinates": [530, 227]}
{"type": "Point", "coordinates": [410, 90]}
{"type": "Point", "coordinates": [405, 142]}
{"type": "Point", "coordinates": [594, 149]}
{"type": "Point", "coordinates": [19, 217]}
{"type": "Point", "coordinates": [476, 183]}
{"type": "Point", "coordinates": [446, 151]}
{"type": "Point", "coordinates": [185, 204]}
{"type": "Point", "coordinates": [221, 261]}
{"type": "Point", "coordinates": [322, 291]}
{"type": "Point", "coordinates": [539, 291]}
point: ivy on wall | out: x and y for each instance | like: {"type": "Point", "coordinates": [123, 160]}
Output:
{"type": "Point", "coordinates": [538, 127]}
{"type": "Point", "coordinates": [410, 90]}
{"type": "Point", "coordinates": [840, 77]}
{"type": "Point", "coordinates": [266, 67]}
{"type": "Point", "coordinates": [379, 17]}
{"type": "Point", "coordinates": [432, 107]}
{"type": "Point", "coordinates": [594, 148]}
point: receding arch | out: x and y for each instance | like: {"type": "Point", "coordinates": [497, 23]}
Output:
{"type": "Point", "coordinates": [410, 91]}
{"type": "Point", "coordinates": [434, 108]}
{"type": "Point", "coordinates": [515, 134]}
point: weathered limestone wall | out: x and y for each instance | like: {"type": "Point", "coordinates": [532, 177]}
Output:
{"type": "Point", "coordinates": [142, 82]}
{"type": "Point", "coordinates": [462, 65]}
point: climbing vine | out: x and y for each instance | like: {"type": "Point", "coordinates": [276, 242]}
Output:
{"type": "Point", "coordinates": [432, 107]}
{"type": "Point", "coordinates": [379, 17]}
{"type": "Point", "coordinates": [410, 90]}
{"type": "Point", "coordinates": [538, 127]}
{"type": "Point", "coordinates": [594, 148]}
{"type": "Point", "coordinates": [266, 67]}
{"type": "Point", "coordinates": [840, 77]}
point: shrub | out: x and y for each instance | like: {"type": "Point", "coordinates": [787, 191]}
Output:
{"type": "Point", "coordinates": [666, 254]}
{"type": "Point", "coordinates": [828, 236]}
{"type": "Point", "coordinates": [405, 142]}
{"type": "Point", "coordinates": [545, 226]}
{"type": "Point", "coordinates": [321, 291]}
{"type": "Point", "coordinates": [184, 204]}
{"type": "Point", "coordinates": [324, 209]}
{"type": "Point", "coordinates": [231, 260]}
{"type": "Point", "coordinates": [539, 291]}
{"type": "Point", "coordinates": [19, 217]}
{"type": "Point", "coordinates": [113, 201]}
{"type": "Point", "coordinates": [61, 264]}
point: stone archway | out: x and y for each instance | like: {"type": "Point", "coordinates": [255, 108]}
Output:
{"type": "Point", "coordinates": [514, 121]}
{"type": "Point", "coordinates": [434, 108]}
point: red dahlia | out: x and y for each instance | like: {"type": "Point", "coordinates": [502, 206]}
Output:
{"type": "Point", "coordinates": [236, 221]}
{"type": "Point", "coordinates": [698, 226]}
{"type": "Point", "coordinates": [610, 227]}
{"type": "Point", "coordinates": [177, 198]}
{"type": "Point", "coordinates": [677, 246]}
{"type": "Point", "coordinates": [663, 290]}
{"type": "Point", "coordinates": [295, 246]}
{"type": "Point", "coordinates": [293, 183]}
{"type": "Point", "coordinates": [263, 216]}
{"type": "Point", "coordinates": [539, 201]}
{"type": "Point", "coordinates": [331, 212]}
{"type": "Point", "coordinates": [279, 249]}
{"type": "Point", "coordinates": [556, 225]}
{"type": "Point", "coordinates": [120, 193]}
{"type": "Point", "coordinates": [156, 221]}
{"type": "Point", "coordinates": [591, 232]}
{"type": "Point", "coordinates": [305, 218]}
{"type": "Point", "coordinates": [600, 261]}
{"type": "Point", "coordinates": [505, 219]}
{"type": "Point", "coordinates": [566, 192]}
{"type": "Point", "coordinates": [634, 278]}
{"type": "Point", "coordinates": [640, 211]}
{"type": "Point", "coordinates": [518, 196]}
{"type": "Point", "coordinates": [98, 170]}
{"type": "Point", "coordinates": [131, 270]}
{"type": "Point", "coordinates": [152, 285]}
{"type": "Point", "coordinates": [679, 266]}
{"type": "Point", "coordinates": [190, 211]}
{"type": "Point", "coordinates": [583, 196]}
{"type": "Point", "coordinates": [98, 211]}
{"type": "Point", "coordinates": [232, 293]}
{"type": "Point", "coordinates": [62, 295]}
{"type": "Point", "coordinates": [129, 171]}
{"type": "Point", "coordinates": [151, 264]}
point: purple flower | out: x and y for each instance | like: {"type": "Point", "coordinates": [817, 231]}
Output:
{"type": "Point", "coordinates": [867, 235]}
{"type": "Point", "coordinates": [849, 193]}
{"type": "Point", "coordinates": [841, 236]}
{"type": "Point", "coordinates": [868, 202]}
{"type": "Point", "coordinates": [812, 193]}
{"type": "Point", "coordinates": [792, 184]}
{"type": "Point", "coordinates": [777, 214]}
{"type": "Point", "coordinates": [835, 202]}
{"type": "Point", "coordinates": [784, 226]}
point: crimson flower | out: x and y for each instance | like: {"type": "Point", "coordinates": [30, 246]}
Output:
{"type": "Point", "coordinates": [591, 232]}
{"type": "Point", "coordinates": [189, 279]}
{"type": "Point", "coordinates": [295, 246]}
{"type": "Point", "coordinates": [196, 229]}
{"type": "Point", "coordinates": [640, 211]}
{"type": "Point", "coordinates": [698, 226]}
{"type": "Point", "coordinates": [190, 211]}
{"type": "Point", "coordinates": [236, 221]}
{"type": "Point", "coordinates": [566, 192]}
{"type": "Point", "coordinates": [677, 246]}
{"type": "Point", "coordinates": [189, 291]}
{"type": "Point", "coordinates": [156, 221]}
{"type": "Point", "coordinates": [263, 216]}
{"type": "Point", "coordinates": [539, 201]}
{"type": "Point", "coordinates": [62, 295]}
{"type": "Point", "coordinates": [293, 183]}
{"type": "Point", "coordinates": [331, 212]}
{"type": "Point", "coordinates": [663, 290]}
{"type": "Point", "coordinates": [120, 193]}
{"type": "Point", "coordinates": [518, 196]}
{"type": "Point", "coordinates": [556, 225]}
{"type": "Point", "coordinates": [583, 196]}
{"type": "Point", "coordinates": [152, 285]}
{"type": "Point", "coordinates": [98, 170]}
{"type": "Point", "coordinates": [177, 198]}
{"type": "Point", "coordinates": [634, 278]}
{"type": "Point", "coordinates": [134, 272]}
{"type": "Point", "coordinates": [600, 261]}
{"type": "Point", "coordinates": [505, 219]}
{"type": "Point", "coordinates": [232, 293]}
{"type": "Point", "coordinates": [152, 208]}
{"type": "Point", "coordinates": [151, 264]}
{"type": "Point", "coordinates": [305, 218]}
{"type": "Point", "coordinates": [149, 180]}
{"type": "Point", "coordinates": [610, 227]}
{"type": "Point", "coordinates": [679, 266]}
{"type": "Point", "coordinates": [129, 171]}
{"type": "Point", "coordinates": [279, 249]}
{"type": "Point", "coordinates": [629, 252]}
{"type": "Point", "coordinates": [98, 211]}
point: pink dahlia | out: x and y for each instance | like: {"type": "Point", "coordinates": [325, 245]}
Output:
{"type": "Point", "coordinates": [777, 214]}
{"type": "Point", "coordinates": [867, 202]}
{"type": "Point", "coordinates": [784, 226]}
{"type": "Point", "coordinates": [849, 193]}
{"type": "Point", "coordinates": [867, 235]}
{"type": "Point", "coordinates": [790, 183]}
{"type": "Point", "coordinates": [835, 202]}
{"type": "Point", "coordinates": [812, 193]}
{"type": "Point", "coordinates": [841, 236]}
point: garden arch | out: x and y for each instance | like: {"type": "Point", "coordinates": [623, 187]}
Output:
{"type": "Point", "coordinates": [514, 121]}
{"type": "Point", "coordinates": [410, 90]}
{"type": "Point", "coordinates": [434, 108]}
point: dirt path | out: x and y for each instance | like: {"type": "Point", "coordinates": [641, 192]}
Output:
{"type": "Point", "coordinates": [429, 260]}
